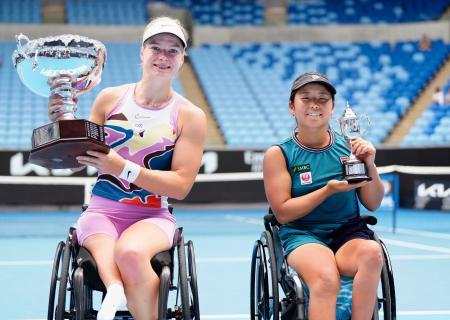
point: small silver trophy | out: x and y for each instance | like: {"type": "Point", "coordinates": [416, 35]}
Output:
{"type": "Point", "coordinates": [65, 65]}
{"type": "Point", "coordinates": [354, 169]}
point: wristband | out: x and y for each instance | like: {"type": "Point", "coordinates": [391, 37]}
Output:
{"type": "Point", "coordinates": [130, 172]}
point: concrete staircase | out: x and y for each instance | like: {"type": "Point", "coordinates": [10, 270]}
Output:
{"type": "Point", "coordinates": [419, 106]}
{"type": "Point", "coordinates": [53, 11]}
{"type": "Point", "coordinates": [194, 93]}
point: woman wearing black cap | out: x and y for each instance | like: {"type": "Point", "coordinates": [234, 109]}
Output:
{"type": "Point", "coordinates": [152, 130]}
{"type": "Point", "coordinates": [304, 182]}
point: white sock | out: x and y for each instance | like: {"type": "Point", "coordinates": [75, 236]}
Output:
{"type": "Point", "coordinates": [115, 299]}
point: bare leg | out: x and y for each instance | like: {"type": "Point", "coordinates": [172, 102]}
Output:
{"type": "Point", "coordinates": [361, 258]}
{"type": "Point", "coordinates": [134, 249]}
{"type": "Point", "coordinates": [316, 265]}
{"type": "Point", "coordinates": [101, 247]}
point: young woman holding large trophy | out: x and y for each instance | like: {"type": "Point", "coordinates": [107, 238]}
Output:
{"type": "Point", "coordinates": [156, 138]}
{"type": "Point", "coordinates": [317, 204]}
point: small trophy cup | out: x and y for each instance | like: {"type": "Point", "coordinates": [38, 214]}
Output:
{"type": "Point", "coordinates": [355, 170]}
{"type": "Point", "coordinates": [67, 65]}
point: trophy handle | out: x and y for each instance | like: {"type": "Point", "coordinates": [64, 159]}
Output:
{"type": "Point", "coordinates": [21, 37]}
{"type": "Point", "coordinates": [364, 119]}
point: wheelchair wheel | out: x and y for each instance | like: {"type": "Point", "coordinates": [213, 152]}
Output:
{"type": "Point", "coordinates": [83, 296]}
{"type": "Point", "coordinates": [183, 286]}
{"type": "Point", "coordinates": [264, 295]}
{"type": "Point", "coordinates": [63, 260]}
{"type": "Point", "coordinates": [387, 286]}
{"type": "Point", "coordinates": [54, 280]}
{"type": "Point", "coordinates": [164, 287]}
{"type": "Point", "coordinates": [192, 268]}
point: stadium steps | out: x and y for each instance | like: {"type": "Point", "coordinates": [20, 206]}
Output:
{"type": "Point", "coordinates": [194, 93]}
{"type": "Point", "coordinates": [445, 15]}
{"type": "Point", "coordinates": [53, 11]}
{"type": "Point", "coordinates": [275, 15]}
{"type": "Point", "coordinates": [419, 106]}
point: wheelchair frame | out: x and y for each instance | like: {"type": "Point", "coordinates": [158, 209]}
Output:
{"type": "Point", "coordinates": [75, 277]}
{"type": "Point", "coordinates": [270, 272]}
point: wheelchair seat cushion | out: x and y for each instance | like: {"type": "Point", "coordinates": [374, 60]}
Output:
{"type": "Point", "coordinates": [86, 261]}
{"type": "Point", "coordinates": [161, 260]}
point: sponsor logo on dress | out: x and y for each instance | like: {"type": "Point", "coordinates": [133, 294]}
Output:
{"type": "Point", "coordinates": [301, 168]}
{"type": "Point", "coordinates": [305, 178]}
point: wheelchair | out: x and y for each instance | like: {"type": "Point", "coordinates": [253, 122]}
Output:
{"type": "Point", "coordinates": [75, 278]}
{"type": "Point", "coordinates": [270, 273]}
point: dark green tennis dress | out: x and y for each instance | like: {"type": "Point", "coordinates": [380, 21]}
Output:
{"type": "Point", "coordinates": [311, 169]}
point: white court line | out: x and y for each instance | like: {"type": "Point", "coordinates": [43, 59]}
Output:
{"type": "Point", "coordinates": [424, 313]}
{"type": "Point", "coordinates": [425, 234]}
{"type": "Point", "coordinates": [25, 263]}
{"type": "Point", "coordinates": [403, 231]}
{"type": "Point", "coordinates": [226, 316]}
{"type": "Point", "coordinates": [420, 257]}
{"type": "Point", "coordinates": [401, 313]}
{"type": "Point", "coordinates": [417, 313]}
{"type": "Point", "coordinates": [388, 241]}
{"type": "Point", "coordinates": [223, 259]}
{"type": "Point", "coordinates": [413, 245]}
{"type": "Point", "coordinates": [206, 316]}
{"type": "Point", "coordinates": [244, 219]}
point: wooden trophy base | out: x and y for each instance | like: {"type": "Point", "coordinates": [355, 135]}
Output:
{"type": "Point", "coordinates": [57, 144]}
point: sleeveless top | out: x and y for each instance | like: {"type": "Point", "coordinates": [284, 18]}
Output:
{"type": "Point", "coordinates": [143, 135]}
{"type": "Point", "coordinates": [311, 169]}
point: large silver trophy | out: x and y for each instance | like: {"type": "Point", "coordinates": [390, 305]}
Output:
{"type": "Point", "coordinates": [65, 65]}
{"type": "Point", "coordinates": [354, 169]}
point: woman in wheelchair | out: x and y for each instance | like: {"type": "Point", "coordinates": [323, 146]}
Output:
{"type": "Point", "coordinates": [321, 231]}
{"type": "Point", "coordinates": [156, 138]}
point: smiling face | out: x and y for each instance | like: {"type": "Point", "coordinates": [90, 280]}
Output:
{"type": "Point", "coordinates": [312, 106]}
{"type": "Point", "coordinates": [162, 55]}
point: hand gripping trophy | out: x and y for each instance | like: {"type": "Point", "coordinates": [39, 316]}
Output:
{"type": "Point", "coordinates": [65, 65]}
{"type": "Point", "coordinates": [354, 169]}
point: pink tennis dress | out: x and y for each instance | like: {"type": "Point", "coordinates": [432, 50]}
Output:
{"type": "Point", "coordinates": [145, 136]}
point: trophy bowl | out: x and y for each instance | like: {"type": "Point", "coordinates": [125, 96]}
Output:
{"type": "Point", "coordinates": [350, 124]}
{"type": "Point", "coordinates": [65, 65]}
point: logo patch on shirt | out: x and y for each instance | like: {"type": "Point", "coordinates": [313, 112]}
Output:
{"type": "Point", "coordinates": [305, 178]}
{"type": "Point", "coordinates": [138, 128]}
{"type": "Point", "coordinates": [301, 168]}
{"type": "Point", "coordinates": [304, 171]}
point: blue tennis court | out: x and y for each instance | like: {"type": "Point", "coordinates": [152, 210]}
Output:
{"type": "Point", "coordinates": [223, 239]}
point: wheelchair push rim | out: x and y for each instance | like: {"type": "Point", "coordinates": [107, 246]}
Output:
{"type": "Point", "coordinates": [387, 286]}
{"type": "Point", "coordinates": [264, 294]}
{"type": "Point", "coordinates": [183, 287]}
{"type": "Point", "coordinates": [61, 274]}
{"type": "Point", "coordinates": [55, 278]}
{"type": "Point", "coordinates": [192, 268]}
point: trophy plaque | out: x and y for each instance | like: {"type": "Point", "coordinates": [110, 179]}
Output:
{"type": "Point", "coordinates": [350, 124]}
{"type": "Point", "coordinates": [65, 65]}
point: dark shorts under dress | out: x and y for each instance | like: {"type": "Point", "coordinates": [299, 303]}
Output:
{"type": "Point", "coordinates": [331, 235]}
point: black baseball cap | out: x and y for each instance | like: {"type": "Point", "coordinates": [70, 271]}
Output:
{"type": "Point", "coordinates": [312, 77]}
